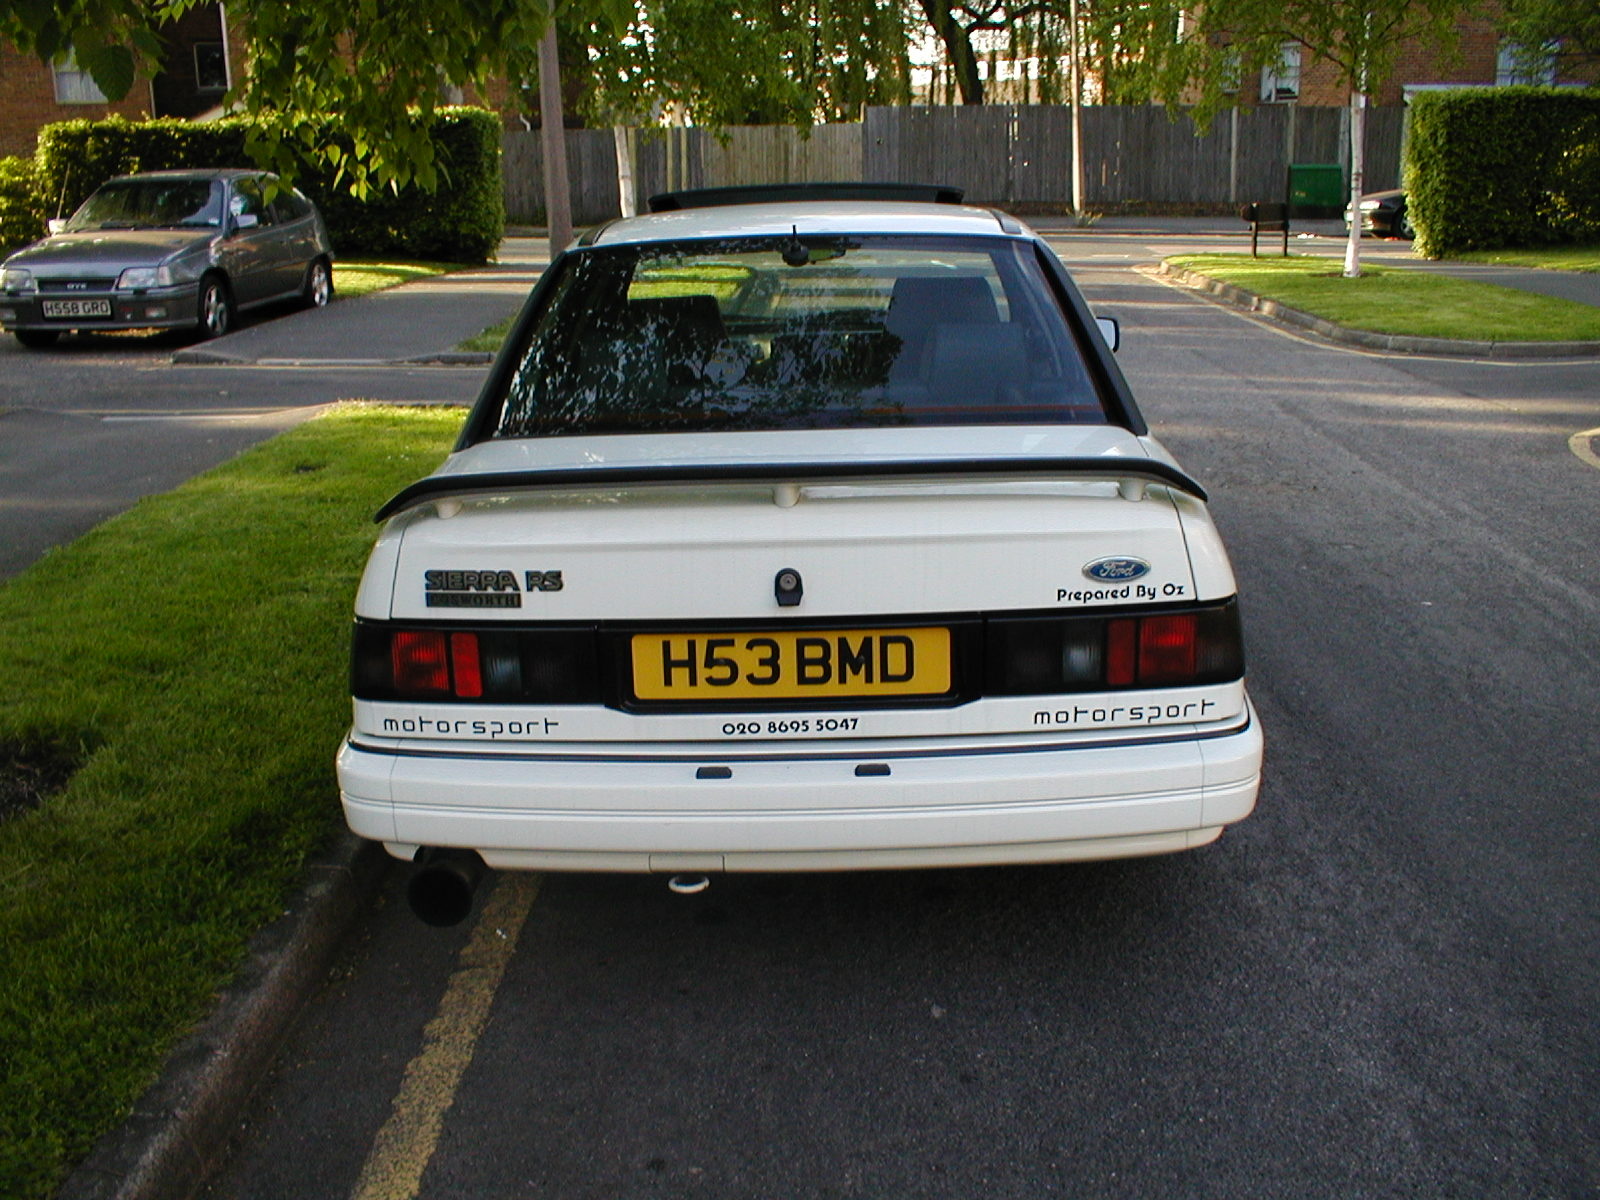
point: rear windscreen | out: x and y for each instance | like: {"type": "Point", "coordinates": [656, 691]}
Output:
{"type": "Point", "coordinates": [798, 333]}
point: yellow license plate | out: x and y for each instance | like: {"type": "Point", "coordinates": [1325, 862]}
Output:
{"type": "Point", "coordinates": [783, 665]}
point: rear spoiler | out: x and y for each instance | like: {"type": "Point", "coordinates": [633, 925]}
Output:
{"type": "Point", "coordinates": [1130, 474]}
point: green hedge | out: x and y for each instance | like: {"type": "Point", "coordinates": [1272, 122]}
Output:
{"type": "Point", "coordinates": [1493, 168]}
{"type": "Point", "coordinates": [461, 222]}
{"type": "Point", "coordinates": [20, 222]}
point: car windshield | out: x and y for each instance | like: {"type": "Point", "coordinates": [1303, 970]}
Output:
{"type": "Point", "coordinates": [151, 204]}
{"type": "Point", "coordinates": [798, 333]}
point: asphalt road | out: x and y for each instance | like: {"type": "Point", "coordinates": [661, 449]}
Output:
{"type": "Point", "coordinates": [88, 428]}
{"type": "Point", "coordinates": [1381, 984]}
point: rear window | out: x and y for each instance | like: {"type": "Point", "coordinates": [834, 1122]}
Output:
{"type": "Point", "coordinates": [804, 333]}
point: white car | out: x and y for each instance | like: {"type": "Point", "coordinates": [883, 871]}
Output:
{"type": "Point", "coordinates": [804, 534]}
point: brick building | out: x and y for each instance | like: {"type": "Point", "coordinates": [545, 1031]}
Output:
{"type": "Point", "coordinates": [1482, 57]}
{"type": "Point", "coordinates": [202, 54]}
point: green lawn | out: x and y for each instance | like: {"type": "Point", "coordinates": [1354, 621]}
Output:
{"type": "Point", "coordinates": [362, 276]}
{"type": "Point", "coordinates": [183, 667]}
{"type": "Point", "coordinates": [1402, 300]}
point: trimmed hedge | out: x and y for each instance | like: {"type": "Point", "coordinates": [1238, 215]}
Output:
{"type": "Point", "coordinates": [20, 222]}
{"type": "Point", "coordinates": [461, 222]}
{"type": "Point", "coordinates": [1492, 168]}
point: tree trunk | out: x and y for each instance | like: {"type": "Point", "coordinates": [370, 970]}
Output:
{"type": "Point", "coordinates": [620, 135]}
{"type": "Point", "coordinates": [1358, 142]}
{"type": "Point", "coordinates": [957, 47]}
{"type": "Point", "coordinates": [553, 141]}
{"type": "Point", "coordinates": [1074, 47]}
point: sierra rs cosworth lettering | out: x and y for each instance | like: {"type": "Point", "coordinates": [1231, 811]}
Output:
{"type": "Point", "coordinates": [484, 589]}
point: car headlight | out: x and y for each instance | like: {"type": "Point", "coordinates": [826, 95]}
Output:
{"type": "Point", "coordinates": [1371, 205]}
{"type": "Point", "coordinates": [17, 280]}
{"type": "Point", "coordinates": [144, 277]}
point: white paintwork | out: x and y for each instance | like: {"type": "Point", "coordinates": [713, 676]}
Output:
{"type": "Point", "coordinates": [807, 811]}
{"type": "Point", "coordinates": [818, 218]}
{"type": "Point", "coordinates": [996, 780]}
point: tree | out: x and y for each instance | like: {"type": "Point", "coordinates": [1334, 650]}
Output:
{"type": "Point", "coordinates": [954, 24]}
{"type": "Point", "coordinates": [763, 62]}
{"type": "Point", "coordinates": [1566, 30]}
{"type": "Point", "coordinates": [1361, 38]}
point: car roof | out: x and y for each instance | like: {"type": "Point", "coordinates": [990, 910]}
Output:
{"type": "Point", "coordinates": [195, 173]}
{"type": "Point", "coordinates": [808, 218]}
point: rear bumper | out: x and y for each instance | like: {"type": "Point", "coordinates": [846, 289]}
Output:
{"type": "Point", "coordinates": [827, 809]}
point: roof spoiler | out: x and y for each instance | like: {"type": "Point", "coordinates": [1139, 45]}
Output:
{"type": "Point", "coordinates": [1130, 474]}
{"type": "Point", "coordinates": [789, 193]}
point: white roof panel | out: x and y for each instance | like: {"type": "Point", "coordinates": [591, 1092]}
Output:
{"type": "Point", "coordinates": [811, 217]}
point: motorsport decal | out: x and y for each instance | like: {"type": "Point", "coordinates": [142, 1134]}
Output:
{"type": "Point", "coordinates": [484, 589]}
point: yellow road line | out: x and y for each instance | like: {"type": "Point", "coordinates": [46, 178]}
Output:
{"type": "Point", "coordinates": [405, 1145]}
{"type": "Point", "coordinates": [1583, 446]}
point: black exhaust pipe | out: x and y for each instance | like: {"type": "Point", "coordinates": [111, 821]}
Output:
{"type": "Point", "coordinates": [441, 888]}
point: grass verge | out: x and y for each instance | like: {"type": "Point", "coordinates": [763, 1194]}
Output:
{"type": "Point", "coordinates": [1549, 258]}
{"type": "Point", "coordinates": [188, 657]}
{"type": "Point", "coordinates": [363, 276]}
{"type": "Point", "coordinates": [488, 342]}
{"type": "Point", "coordinates": [1402, 300]}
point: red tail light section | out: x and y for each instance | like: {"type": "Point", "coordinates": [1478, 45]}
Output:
{"type": "Point", "coordinates": [421, 662]}
{"type": "Point", "coordinates": [1168, 646]}
{"type": "Point", "coordinates": [465, 666]}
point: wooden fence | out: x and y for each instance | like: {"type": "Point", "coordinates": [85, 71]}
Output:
{"type": "Point", "coordinates": [1008, 155]}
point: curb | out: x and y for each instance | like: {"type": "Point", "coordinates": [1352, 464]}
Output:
{"type": "Point", "coordinates": [443, 358]}
{"type": "Point", "coordinates": [180, 1127]}
{"type": "Point", "coordinates": [1249, 301]}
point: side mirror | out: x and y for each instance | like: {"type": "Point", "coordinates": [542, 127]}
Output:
{"type": "Point", "coordinates": [1111, 331]}
{"type": "Point", "coordinates": [56, 225]}
{"type": "Point", "coordinates": [246, 221]}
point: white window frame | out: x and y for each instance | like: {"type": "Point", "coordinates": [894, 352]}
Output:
{"type": "Point", "coordinates": [1515, 63]}
{"type": "Point", "coordinates": [1280, 81]}
{"type": "Point", "coordinates": [74, 85]}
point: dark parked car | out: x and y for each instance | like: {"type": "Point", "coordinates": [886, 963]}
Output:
{"type": "Point", "coordinates": [1384, 214]}
{"type": "Point", "coordinates": [169, 249]}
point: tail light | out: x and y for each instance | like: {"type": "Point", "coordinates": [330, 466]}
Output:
{"type": "Point", "coordinates": [1170, 648]}
{"type": "Point", "coordinates": [1035, 655]}
{"type": "Point", "coordinates": [505, 666]}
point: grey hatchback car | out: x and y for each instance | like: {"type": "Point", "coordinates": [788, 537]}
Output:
{"type": "Point", "coordinates": [169, 250]}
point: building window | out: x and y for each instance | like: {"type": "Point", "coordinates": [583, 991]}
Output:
{"type": "Point", "coordinates": [210, 67]}
{"type": "Point", "coordinates": [1517, 63]}
{"type": "Point", "coordinates": [74, 86]}
{"type": "Point", "coordinates": [1280, 81]}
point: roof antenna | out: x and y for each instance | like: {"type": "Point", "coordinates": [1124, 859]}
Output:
{"type": "Point", "coordinates": [796, 253]}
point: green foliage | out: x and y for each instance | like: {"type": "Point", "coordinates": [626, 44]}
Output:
{"type": "Point", "coordinates": [1567, 31]}
{"type": "Point", "coordinates": [381, 67]}
{"type": "Point", "coordinates": [205, 718]}
{"type": "Point", "coordinates": [1129, 45]}
{"type": "Point", "coordinates": [20, 222]}
{"type": "Point", "coordinates": [461, 222]}
{"type": "Point", "coordinates": [75, 157]}
{"type": "Point", "coordinates": [1508, 167]}
{"type": "Point", "coordinates": [769, 62]}
{"type": "Point", "coordinates": [111, 39]}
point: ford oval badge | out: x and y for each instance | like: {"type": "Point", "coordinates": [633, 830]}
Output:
{"type": "Point", "coordinates": [1117, 569]}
